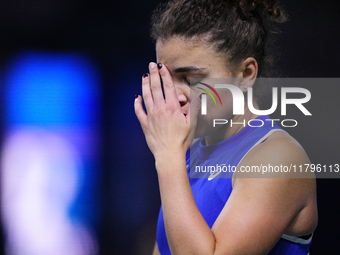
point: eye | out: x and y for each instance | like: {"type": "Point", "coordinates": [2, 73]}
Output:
{"type": "Point", "coordinates": [186, 80]}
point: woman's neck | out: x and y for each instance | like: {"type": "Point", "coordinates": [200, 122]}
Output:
{"type": "Point", "coordinates": [239, 122]}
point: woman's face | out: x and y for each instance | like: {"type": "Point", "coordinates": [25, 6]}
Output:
{"type": "Point", "coordinates": [193, 59]}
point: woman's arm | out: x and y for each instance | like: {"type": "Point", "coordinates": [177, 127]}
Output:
{"type": "Point", "coordinates": [186, 229]}
{"type": "Point", "coordinates": [167, 132]}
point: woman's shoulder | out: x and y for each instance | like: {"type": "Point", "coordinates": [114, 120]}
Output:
{"type": "Point", "coordinates": [282, 179]}
{"type": "Point", "coordinates": [279, 161]}
{"type": "Point", "coordinates": [279, 148]}
{"type": "Point", "coordinates": [278, 156]}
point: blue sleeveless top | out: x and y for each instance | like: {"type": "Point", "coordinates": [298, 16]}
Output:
{"type": "Point", "coordinates": [211, 192]}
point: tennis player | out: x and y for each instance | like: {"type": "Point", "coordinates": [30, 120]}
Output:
{"type": "Point", "coordinates": [230, 39]}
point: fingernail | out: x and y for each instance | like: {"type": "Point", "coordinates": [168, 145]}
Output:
{"type": "Point", "coordinates": [136, 96]}
{"type": "Point", "coordinates": [145, 75]}
{"type": "Point", "coordinates": [152, 65]}
{"type": "Point", "coordinates": [159, 65]}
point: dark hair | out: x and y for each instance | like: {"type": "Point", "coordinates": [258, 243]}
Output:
{"type": "Point", "coordinates": [235, 27]}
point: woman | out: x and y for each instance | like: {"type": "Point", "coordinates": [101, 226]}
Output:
{"type": "Point", "coordinates": [220, 39]}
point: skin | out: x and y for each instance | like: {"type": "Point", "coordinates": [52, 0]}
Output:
{"type": "Point", "coordinates": [259, 210]}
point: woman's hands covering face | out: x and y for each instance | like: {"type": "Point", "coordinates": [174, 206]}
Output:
{"type": "Point", "coordinates": [165, 126]}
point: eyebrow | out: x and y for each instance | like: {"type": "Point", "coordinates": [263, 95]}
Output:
{"type": "Point", "coordinates": [188, 69]}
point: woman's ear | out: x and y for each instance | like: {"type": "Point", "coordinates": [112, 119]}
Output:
{"type": "Point", "coordinates": [249, 69]}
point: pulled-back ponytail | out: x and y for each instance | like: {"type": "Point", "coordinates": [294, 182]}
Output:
{"type": "Point", "coordinates": [266, 7]}
{"type": "Point", "coordinates": [234, 27]}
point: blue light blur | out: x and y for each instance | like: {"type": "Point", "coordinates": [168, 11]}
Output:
{"type": "Point", "coordinates": [51, 153]}
{"type": "Point", "coordinates": [47, 88]}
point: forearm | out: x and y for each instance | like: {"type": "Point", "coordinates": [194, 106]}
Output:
{"type": "Point", "coordinates": [186, 229]}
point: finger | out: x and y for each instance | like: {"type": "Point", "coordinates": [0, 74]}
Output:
{"type": "Point", "coordinates": [169, 87]}
{"type": "Point", "coordinates": [140, 113]}
{"type": "Point", "coordinates": [148, 100]}
{"type": "Point", "coordinates": [156, 87]}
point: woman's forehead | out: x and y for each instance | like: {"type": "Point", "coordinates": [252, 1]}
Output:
{"type": "Point", "coordinates": [176, 51]}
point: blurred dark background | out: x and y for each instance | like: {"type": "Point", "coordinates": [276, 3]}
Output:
{"type": "Point", "coordinates": [115, 36]}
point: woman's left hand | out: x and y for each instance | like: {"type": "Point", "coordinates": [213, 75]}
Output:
{"type": "Point", "coordinates": [165, 126]}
